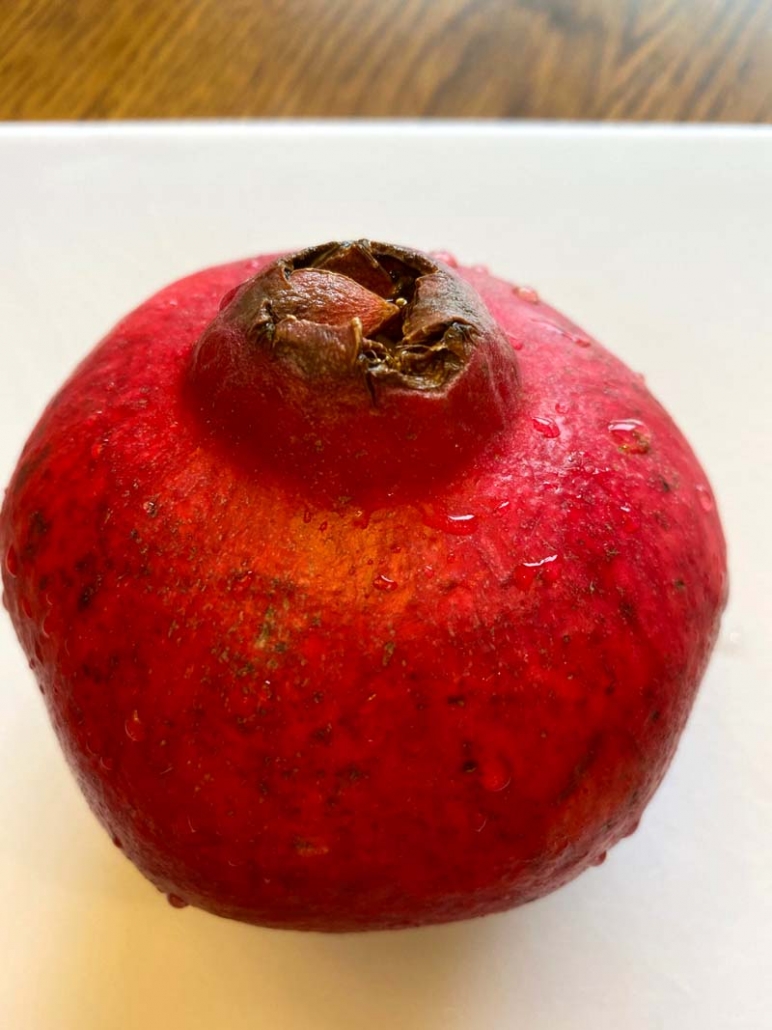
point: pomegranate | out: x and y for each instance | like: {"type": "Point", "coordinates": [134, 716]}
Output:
{"type": "Point", "coordinates": [364, 590]}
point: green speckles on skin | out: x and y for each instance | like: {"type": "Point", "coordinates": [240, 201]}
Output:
{"type": "Point", "coordinates": [263, 638]}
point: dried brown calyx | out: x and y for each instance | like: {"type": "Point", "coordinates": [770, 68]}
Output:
{"type": "Point", "coordinates": [386, 313]}
{"type": "Point", "coordinates": [356, 366]}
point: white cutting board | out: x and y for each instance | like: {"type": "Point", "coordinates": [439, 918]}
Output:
{"type": "Point", "coordinates": [659, 241]}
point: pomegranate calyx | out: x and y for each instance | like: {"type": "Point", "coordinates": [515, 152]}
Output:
{"type": "Point", "coordinates": [382, 313]}
{"type": "Point", "coordinates": [357, 363]}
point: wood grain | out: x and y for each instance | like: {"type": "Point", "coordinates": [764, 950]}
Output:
{"type": "Point", "coordinates": [681, 60]}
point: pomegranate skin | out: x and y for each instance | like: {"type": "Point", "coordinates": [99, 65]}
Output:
{"type": "Point", "coordinates": [400, 705]}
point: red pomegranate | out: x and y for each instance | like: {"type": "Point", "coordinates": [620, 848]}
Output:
{"type": "Point", "coordinates": [364, 590]}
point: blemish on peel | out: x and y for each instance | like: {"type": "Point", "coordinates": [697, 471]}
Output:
{"type": "Point", "coordinates": [545, 426]}
{"type": "Point", "coordinates": [495, 774]}
{"type": "Point", "coordinates": [631, 435]}
{"type": "Point", "coordinates": [308, 847]}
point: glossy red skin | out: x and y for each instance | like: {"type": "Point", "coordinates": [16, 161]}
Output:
{"type": "Point", "coordinates": [330, 717]}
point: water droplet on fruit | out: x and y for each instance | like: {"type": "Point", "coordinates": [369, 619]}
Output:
{"type": "Point", "coordinates": [524, 576]}
{"type": "Point", "coordinates": [628, 522]}
{"type": "Point", "coordinates": [12, 562]}
{"type": "Point", "coordinates": [517, 343]}
{"type": "Point", "coordinates": [107, 763]}
{"type": "Point", "coordinates": [176, 901]}
{"type": "Point", "coordinates": [26, 607]}
{"type": "Point", "coordinates": [381, 582]}
{"type": "Point", "coordinates": [478, 821]}
{"type": "Point", "coordinates": [528, 294]}
{"type": "Point", "coordinates": [361, 519]}
{"type": "Point", "coordinates": [151, 508]}
{"type": "Point", "coordinates": [527, 571]}
{"type": "Point", "coordinates": [562, 407]}
{"type": "Point", "coordinates": [495, 774]}
{"type": "Point", "coordinates": [632, 828]}
{"type": "Point", "coordinates": [599, 859]}
{"type": "Point", "coordinates": [548, 326]}
{"type": "Point", "coordinates": [462, 525]}
{"type": "Point", "coordinates": [446, 257]}
{"type": "Point", "coordinates": [546, 426]}
{"type": "Point", "coordinates": [704, 497]}
{"type": "Point", "coordinates": [239, 583]}
{"type": "Point", "coordinates": [323, 526]}
{"type": "Point", "coordinates": [631, 434]}
{"type": "Point", "coordinates": [307, 515]}
{"type": "Point", "coordinates": [46, 626]}
{"type": "Point", "coordinates": [134, 727]}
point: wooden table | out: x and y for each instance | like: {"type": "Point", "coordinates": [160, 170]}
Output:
{"type": "Point", "coordinates": [703, 60]}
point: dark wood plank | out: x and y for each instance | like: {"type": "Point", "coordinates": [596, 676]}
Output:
{"type": "Point", "coordinates": [607, 59]}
